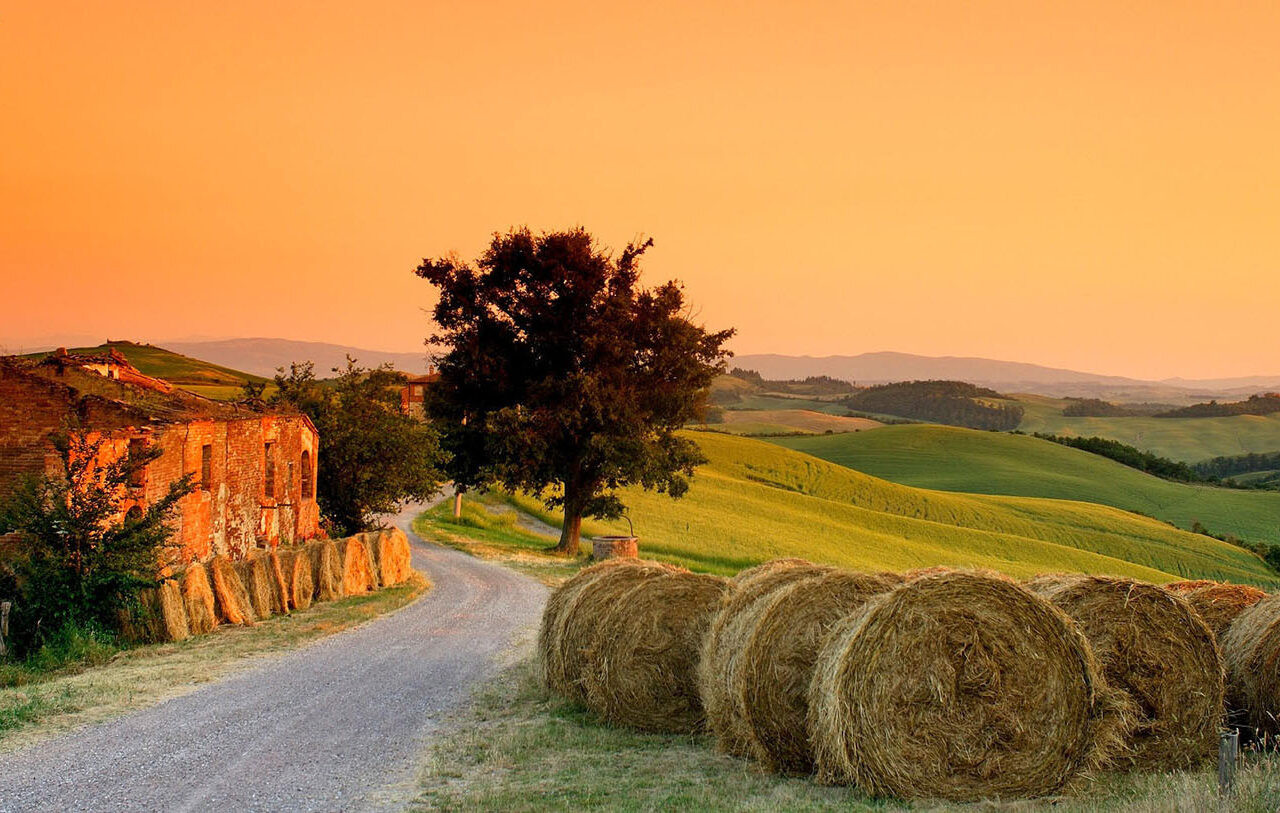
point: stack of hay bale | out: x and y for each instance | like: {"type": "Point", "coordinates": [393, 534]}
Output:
{"type": "Point", "coordinates": [938, 683]}
{"type": "Point", "coordinates": [267, 583]}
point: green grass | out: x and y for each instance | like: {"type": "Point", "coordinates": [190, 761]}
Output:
{"type": "Point", "coordinates": [521, 749]}
{"type": "Point", "coordinates": [785, 421]}
{"type": "Point", "coordinates": [212, 380]}
{"type": "Point", "coordinates": [490, 528]}
{"type": "Point", "coordinates": [1186, 439]}
{"type": "Point", "coordinates": [955, 459]}
{"type": "Point", "coordinates": [756, 501]}
{"type": "Point", "coordinates": [775, 401]}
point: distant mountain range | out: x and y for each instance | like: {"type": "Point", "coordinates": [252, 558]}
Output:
{"type": "Point", "coordinates": [264, 356]}
{"type": "Point", "coordinates": [1005, 376]}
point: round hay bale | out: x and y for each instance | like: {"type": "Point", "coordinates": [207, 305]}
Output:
{"type": "Point", "coordinates": [957, 686]}
{"type": "Point", "coordinates": [722, 646]}
{"type": "Point", "coordinates": [552, 612]}
{"type": "Point", "coordinates": [767, 567]}
{"type": "Point", "coordinates": [1184, 587]}
{"type": "Point", "coordinates": [932, 570]}
{"type": "Point", "coordinates": [171, 612]}
{"type": "Point", "coordinates": [369, 541]}
{"type": "Point", "coordinates": [302, 588]}
{"type": "Point", "coordinates": [231, 600]}
{"type": "Point", "coordinates": [577, 621]}
{"type": "Point", "coordinates": [1252, 651]}
{"type": "Point", "coordinates": [892, 576]}
{"type": "Point", "coordinates": [402, 556]}
{"type": "Point", "coordinates": [256, 577]}
{"type": "Point", "coordinates": [326, 570]}
{"type": "Point", "coordinates": [1220, 604]}
{"type": "Point", "coordinates": [771, 685]}
{"type": "Point", "coordinates": [1152, 645]}
{"type": "Point", "coordinates": [197, 595]}
{"type": "Point", "coordinates": [356, 577]}
{"type": "Point", "coordinates": [645, 653]}
{"type": "Point", "coordinates": [279, 584]}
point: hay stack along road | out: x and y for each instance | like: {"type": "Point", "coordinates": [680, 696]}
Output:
{"type": "Point", "coordinates": [337, 725]}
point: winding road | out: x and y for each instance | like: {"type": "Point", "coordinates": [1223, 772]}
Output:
{"type": "Point", "coordinates": [339, 724]}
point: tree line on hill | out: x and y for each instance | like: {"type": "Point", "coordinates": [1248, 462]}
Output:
{"type": "Point", "coordinates": [1097, 408]}
{"type": "Point", "coordinates": [1263, 404]}
{"type": "Point", "coordinates": [1227, 467]}
{"type": "Point", "coordinates": [955, 403]}
{"type": "Point", "coordinates": [812, 385]}
{"type": "Point", "coordinates": [1217, 472]}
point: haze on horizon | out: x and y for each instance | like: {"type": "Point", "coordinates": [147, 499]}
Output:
{"type": "Point", "coordinates": [1092, 186]}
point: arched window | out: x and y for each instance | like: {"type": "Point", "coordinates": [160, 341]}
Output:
{"type": "Point", "coordinates": [133, 515]}
{"type": "Point", "coordinates": [307, 478]}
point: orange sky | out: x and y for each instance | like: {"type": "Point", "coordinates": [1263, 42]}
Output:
{"type": "Point", "coordinates": [1091, 185]}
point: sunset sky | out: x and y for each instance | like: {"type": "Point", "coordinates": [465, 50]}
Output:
{"type": "Point", "coordinates": [1088, 185]}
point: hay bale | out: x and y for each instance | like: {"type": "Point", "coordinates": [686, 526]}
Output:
{"type": "Point", "coordinates": [326, 570]}
{"type": "Point", "coordinates": [296, 566]}
{"type": "Point", "coordinates": [771, 685]}
{"type": "Point", "coordinates": [568, 659]}
{"type": "Point", "coordinates": [231, 600]}
{"type": "Point", "coordinates": [373, 548]}
{"type": "Point", "coordinates": [357, 579]}
{"type": "Point", "coordinates": [279, 584]}
{"type": "Point", "coordinates": [401, 567]}
{"type": "Point", "coordinates": [140, 623]}
{"type": "Point", "coordinates": [552, 614]}
{"type": "Point", "coordinates": [932, 570]}
{"type": "Point", "coordinates": [171, 612]}
{"type": "Point", "coordinates": [957, 686]}
{"type": "Point", "coordinates": [255, 574]}
{"type": "Point", "coordinates": [644, 655]}
{"type": "Point", "coordinates": [767, 567]}
{"type": "Point", "coordinates": [730, 627]}
{"type": "Point", "coordinates": [1151, 644]}
{"type": "Point", "coordinates": [1252, 651]}
{"type": "Point", "coordinates": [197, 595]}
{"type": "Point", "coordinates": [1220, 604]}
{"type": "Point", "coordinates": [1184, 587]}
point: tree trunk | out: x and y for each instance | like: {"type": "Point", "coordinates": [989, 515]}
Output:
{"type": "Point", "coordinates": [457, 503]}
{"type": "Point", "coordinates": [570, 532]}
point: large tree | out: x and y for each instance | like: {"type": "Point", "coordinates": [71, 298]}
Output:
{"type": "Point", "coordinates": [373, 458]}
{"type": "Point", "coordinates": [562, 377]}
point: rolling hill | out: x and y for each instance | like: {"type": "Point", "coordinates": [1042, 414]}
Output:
{"type": "Point", "coordinates": [192, 374]}
{"type": "Point", "coordinates": [264, 356]}
{"type": "Point", "coordinates": [787, 421]}
{"type": "Point", "coordinates": [756, 500]}
{"type": "Point", "coordinates": [1188, 439]}
{"type": "Point", "coordinates": [965, 460]}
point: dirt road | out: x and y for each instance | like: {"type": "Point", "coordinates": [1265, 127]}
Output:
{"type": "Point", "coordinates": [337, 725]}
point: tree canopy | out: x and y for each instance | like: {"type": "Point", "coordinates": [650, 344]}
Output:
{"type": "Point", "coordinates": [562, 377]}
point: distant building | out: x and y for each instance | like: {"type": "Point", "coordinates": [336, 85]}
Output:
{"type": "Point", "coordinates": [414, 393]}
{"type": "Point", "coordinates": [254, 471]}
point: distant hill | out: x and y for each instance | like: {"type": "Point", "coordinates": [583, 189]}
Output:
{"type": "Point", "coordinates": [264, 356]}
{"type": "Point", "coordinates": [1006, 376]}
{"type": "Point", "coordinates": [194, 374]}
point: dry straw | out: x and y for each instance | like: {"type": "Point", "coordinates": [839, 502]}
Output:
{"type": "Point", "coordinates": [326, 570]}
{"type": "Point", "coordinates": [1220, 604]}
{"type": "Point", "coordinates": [231, 600]}
{"type": "Point", "coordinates": [548, 648]}
{"type": "Point", "coordinates": [958, 686]}
{"type": "Point", "coordinates": [279, 584]}
{"type": "Point", "coordinates": [369, 541]}
{"type": "Point", "coordinates": [255, 574]}
{"type": "Point", "coordinates": [356, 576]}
{"type": "Point", "coordinates": [767, 567]}
{"type": "Point", "coordinates": [1188, 586]}
{"type": "Point", "coordinates": [577, 620]}
{"type": "Point", "coordinates": [397, 557]}
{"type": "Point", "coordinates": [171, 612]}
{"type": "Point", "coordinates": [730, 627]}
{"type": "Point", "coordinates": [1154, 646]}
{"type": "Point", "coordinates": [296, 566]}
{"type": "Point", "coordinates": [771, 685]}
{"type": "Point", "coordinates": [197, 595]}
{"type": "Point", "coordinates": [644, 655]}
{"type": "Point", "coordinates": [1252, 651]}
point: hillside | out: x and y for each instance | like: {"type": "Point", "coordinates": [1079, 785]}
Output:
{"type": "Point", "coordinates": [264, 356]}
{"type": "Point", "coordinates": [1187, 439]}
{"type": "Point", "coordinates": [955, 459]}
{"type": "Point", "coordinates": [192, 374]}
{"type": "Point", "coordinates": [755, 500]}
{"type": "Point", "coordinates": [786, 421]}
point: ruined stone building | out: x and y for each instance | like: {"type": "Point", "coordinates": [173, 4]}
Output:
{"type": "Point", "coordinates": [413, 394]}
{"type": "Point", "coordinates": [254, 470]}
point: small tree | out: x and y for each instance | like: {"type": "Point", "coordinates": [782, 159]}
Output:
{"type": "Point", "coordinates": [564, 379]}
{"type": "Point", "coordinates": [373, 458]}
{"type": "Point", "coordinates": [82, 558]}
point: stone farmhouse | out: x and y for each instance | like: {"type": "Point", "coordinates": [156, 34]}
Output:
{"type": "Point", "coordinates": [413, 394]}
{"type": "Point", "coordinates": [254, 470]}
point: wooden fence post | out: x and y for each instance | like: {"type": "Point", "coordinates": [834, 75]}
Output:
{"type": "Point", "coordinates": [5, 606]}
{"type": "Point", "coordinates": [1228, 753]}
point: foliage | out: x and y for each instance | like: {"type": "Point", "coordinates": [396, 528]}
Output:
{"type": "Point", "coordinates": [1264, 404]}
{"type": "Point", "coordinates": [1227, 466]}
{"type": "Point", "coordinates": [82, 554]}
{"type": "Point", "coordinates": [373, 458]}
{"type": "Point", "coordinates": [811, 385]}
{"type": "Point", "coordinates": [562, 377]}
{"type": "Point", "coordinates": [1130, 456]}
{"type": "Point", "coordinates": [1097, 408]}
{"type": "Point", "coordinates": [955, 403]}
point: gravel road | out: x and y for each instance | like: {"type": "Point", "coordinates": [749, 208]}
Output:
{"type": "Point", "coordinates": [336, 725]}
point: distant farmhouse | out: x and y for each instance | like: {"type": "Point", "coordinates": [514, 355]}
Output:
{"type": "Point", "coordinates": [254, 469]}
{"type": "Point", "coordinates": [413, 394]}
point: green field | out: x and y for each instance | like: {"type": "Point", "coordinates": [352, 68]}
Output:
{"type": "Point", "coordinates": [955, 459]}
{"type": "Point", "coordinates": [756, 501]}
{"type": "Point", "coordinates": [1186, 439]}
{"type": "Point", "coordinates": [786, 421]}
{"type": "Point", "coordinates": [200, 377]}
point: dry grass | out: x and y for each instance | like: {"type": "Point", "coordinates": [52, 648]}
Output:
{"type": "Point", "coordinates": [230, 597]}
{"type": "Point", "coordinates": [1252, 650]}
{"type": "Point", "coordinates": [146, 675]}
{"type": "Point", "coordinates": [1221, 604]}
{"type": "Point", "coordinates": [198, 596]}
{"type": "Point", "coordinates": [520, 748]}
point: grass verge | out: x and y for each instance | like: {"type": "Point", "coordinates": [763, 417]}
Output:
{"type": "Point", "coordinates": [34, 706]}
{"type": "Point", "coordinates": [521, 749]}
